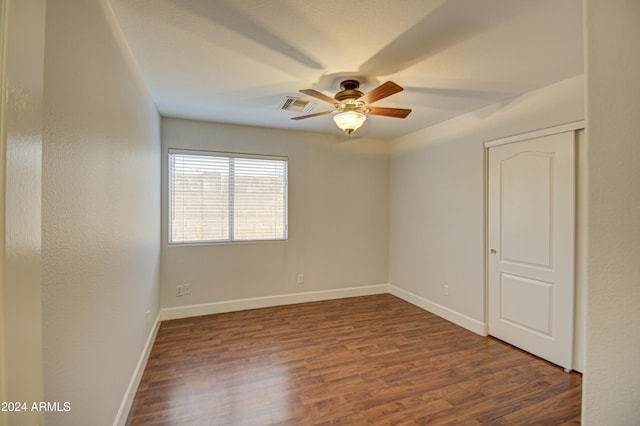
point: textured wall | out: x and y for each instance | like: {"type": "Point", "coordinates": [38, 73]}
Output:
{"type": "Point", "coordinates": [100, 214]}
{"type": "Point", "coordinates": [337, 218]}
{"type": "Point", "coordinates": [612, 374]}
{"type": "Point", "coordinates": [22, 38]}
{"type": "Point", "coordinates": [437, 204]}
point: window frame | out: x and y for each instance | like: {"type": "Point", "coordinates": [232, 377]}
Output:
{"type": "Point", "coordinates": [231, 199]}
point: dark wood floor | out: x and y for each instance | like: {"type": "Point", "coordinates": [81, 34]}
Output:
{"type": "Point", "coordinates": [359, 361]}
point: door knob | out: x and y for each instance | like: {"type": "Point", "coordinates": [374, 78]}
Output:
{"type": "Point", "coordinates": [493, 251]}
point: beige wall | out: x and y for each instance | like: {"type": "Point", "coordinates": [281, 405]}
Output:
{"type": "Point", "coordinates": [437, 211]}
{"type": "Point", "coordinates": [20, 155]}
{"type": "Point", "coordinates": [611, 392]}
{"type": "Point", "coordinates": [100, 214]}
{"type": "Point", "coordinates": [338, 221]}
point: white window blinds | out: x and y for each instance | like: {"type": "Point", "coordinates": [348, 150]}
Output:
{"type": "Point", "coordinates": [217, 197]}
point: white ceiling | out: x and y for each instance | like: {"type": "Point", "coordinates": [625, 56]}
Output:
{"type": "Point", "coordinates": [235, 60]}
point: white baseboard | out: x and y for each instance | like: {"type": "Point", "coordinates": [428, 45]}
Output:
{"type": "Point", "coordinates": [269, 301]}
{"type": "Point", "coordinates": [457, 318]}
{"type": "Point", "coordinates": [127, 401]}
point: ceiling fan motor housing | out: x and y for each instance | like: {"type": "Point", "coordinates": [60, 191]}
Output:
{"type": "Point", "coordinates": [349, 91]}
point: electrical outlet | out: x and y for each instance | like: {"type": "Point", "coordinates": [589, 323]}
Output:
{"type": "Point", "coordinates": [187, 289]}
{"type": "Point", "coordinates": [445, 290]}
{"type": "Point", "coordinates": [300, 278]}
{"type": "Point", "coordinates": [179, 290]}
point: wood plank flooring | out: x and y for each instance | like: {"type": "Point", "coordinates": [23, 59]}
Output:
{"type": "Point", "coordinates": [373, 360]}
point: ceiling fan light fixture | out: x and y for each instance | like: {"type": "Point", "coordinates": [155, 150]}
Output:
{"type": "Point", "coordinates": [349, 121]}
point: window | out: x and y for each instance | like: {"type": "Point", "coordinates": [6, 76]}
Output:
{"type": "Point", "coordinates": [218, 197]}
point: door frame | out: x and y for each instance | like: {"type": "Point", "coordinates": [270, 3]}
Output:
{"type": "Point", "coordinates": [579, 251]}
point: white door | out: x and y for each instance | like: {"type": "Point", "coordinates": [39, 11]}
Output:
{"type": "Point", "coordinates": [531, 186]}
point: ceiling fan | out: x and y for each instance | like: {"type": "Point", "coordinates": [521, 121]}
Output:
{"type": "Point", "coordinates": [352, 105]}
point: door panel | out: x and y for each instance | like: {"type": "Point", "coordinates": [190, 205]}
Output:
{"type": "Point", "coordinates": [527, 198]}
{"type": "Point", "coordinates": [531, 241]}
{"type": "Point", "coordinates": [526, 303]}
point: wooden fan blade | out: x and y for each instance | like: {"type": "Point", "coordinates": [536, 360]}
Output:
{"type": "Point", "coordinates": [389, 112]}
{"type": "Point", "coordinates": [385, 89]}
{"type": "Point", "coordinates": [319, 95]}
{"type": "Point", "coordinates": [300, 117]}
